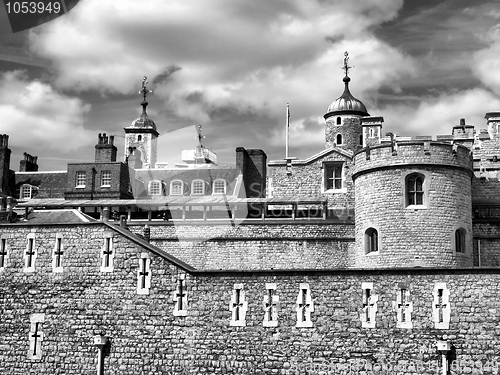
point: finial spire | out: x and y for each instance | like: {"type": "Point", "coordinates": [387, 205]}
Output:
{"type": "Point", "coordinates": [346, 66]}
{"type": "Point", "coordinates": [145, 92]}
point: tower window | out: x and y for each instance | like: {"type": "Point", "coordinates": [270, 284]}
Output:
{"type": "Point", "coordinates": [339, 121]}
{"type": "Point", "coordinates": [154, 188]}
{"type": "Point", "coordinates": [371, 133]}
{"type": "Point", "coordinates": [80, 179]}
{"type": "Point", "coordinates": [415, 189]}
{"type": "Point", "coordinates": [106, 178]}
{"type": "Point", "coordinates": [339, 139]}
{"type": "Point", "coordinates": [361, 140]}
{"type": "Point", "coordinates": [333, 176]}
{"type": "Point", "coordinates": [371, 240]}
{"type": "Point", "coordinates": [219, 187]}
{"type": "Point", "coordinates": [460, 240]}
{"type": "Point", "coordinates": [176, 187]}
{"type": "Point", "coordinates": [139, 138]}
{"type": "Point", "coordinates": [198, 187]}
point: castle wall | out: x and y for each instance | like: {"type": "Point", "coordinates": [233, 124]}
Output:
{"type": "Point", "coordinates": [410, 235]}
{"type": "Point", "coordinates": [147, 337]}
{"type": "Point", "coordinates": [256, 247]}
{"type": "Point", "coordinates": [307, 180]}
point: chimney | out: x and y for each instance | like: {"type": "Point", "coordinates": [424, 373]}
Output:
{"type": "Point", "coordinates": [5, 164]}
{"type": "Point", "coordinates": [105, 150]}
{"type": "Point", "coordinates": [252, 164]}
{"type": "Point", "coordinates": [29, 163]}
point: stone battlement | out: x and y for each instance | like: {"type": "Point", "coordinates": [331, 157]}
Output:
{"type": "Point", "coordinates": [413, 153]}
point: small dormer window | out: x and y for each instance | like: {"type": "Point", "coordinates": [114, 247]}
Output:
{"type": "Point", "coordinates": [219, 186]}
{"type": "Point", "coordinates": [27, 191]}
{"type": "Point", "coordinates": [155, 188]}
{"type": "Point", "coordinates": [198, 187]}
{"type": "Point", "coordinates": [176, 187]}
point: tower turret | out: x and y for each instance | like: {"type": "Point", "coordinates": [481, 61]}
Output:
{"type": "Point", "coordinates": [142, 135]}
{"type": "Point", "coordinates": [343, 117]}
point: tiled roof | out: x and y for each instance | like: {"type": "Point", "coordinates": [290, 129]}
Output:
{"type": "Point", "coordinates": [51, 184]}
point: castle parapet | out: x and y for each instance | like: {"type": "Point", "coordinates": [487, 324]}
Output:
{"type": "Point", "coordinates": [412, 153]}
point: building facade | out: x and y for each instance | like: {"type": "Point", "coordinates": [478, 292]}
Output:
{"type": "Point", "coordinates": [378, 254]}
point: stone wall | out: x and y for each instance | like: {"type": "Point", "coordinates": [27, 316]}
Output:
{"type": "Point", "coordinates": [146, 337]}
{"type": "Point", "coordinates": [257, 246]}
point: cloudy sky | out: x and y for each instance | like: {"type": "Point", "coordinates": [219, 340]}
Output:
{"type": "Point", "coordinates": [232, 65]}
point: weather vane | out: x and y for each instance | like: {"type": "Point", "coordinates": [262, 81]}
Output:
{"type": "Point", "coordinates": [145, 90]}
{"type": "Point", "coordinates": [346, 66]}
{"type": "Point", "coordinates": [200, 136]}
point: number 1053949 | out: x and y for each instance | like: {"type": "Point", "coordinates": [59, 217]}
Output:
{"type": "Point", "coordinates": [33, 7]}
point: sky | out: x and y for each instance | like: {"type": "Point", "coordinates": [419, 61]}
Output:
{"type": "Point", "coordinates": [233, 65]}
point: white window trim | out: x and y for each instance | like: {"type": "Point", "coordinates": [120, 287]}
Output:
{"type": "Point", "coordinates": [160, 189]}
{"type": "Point", "coordinates": [30, 238]}
{"type": "Point", "coordinates": [107, 240]}
{"type": "Point", "coordinates": [304, 314]}
{"type": "Point", "coordinates": [369, 312]}
{"type": "Point", "coordinates": [31, 188]}
{"type": "Point", "coordinates": [4, 247]}
{"type": "Point", "coordinates": [181, 301]}
{"type": "Point", "coordinates": [79, 186]}
{"type": "Point", "coordinates": [323, 178]}
{"type": "Point", "coordinates": [273, 308]}
{"type": "Point", "coordinates": [225, 186]}
{"type": "Point", "coordinates": [241, 322]}
{"type": "Point", "coordinates": [399, 309]}
{"type": "Point", "coordinates": [172, 189]}
{"type": "Point", "coordinates": [445, 324]}
{"type": "Point", "coordinates": [102, 179]}
{"type": "Point", "coordinates": [144, 266]}
{"type": "Point", "coordinates": [425, 189]}
{"type": "Point", "coordinates": [192, 187]}
{"type": "Point", "coordinates": [55, 268]}
{"type": "Point", "coordinates": [34, 320]}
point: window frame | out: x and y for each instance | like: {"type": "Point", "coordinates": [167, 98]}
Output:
{"type": "Point", "coordinates": [107, 178]}
{"type": "Point", "coordinates": [214, 187]}
{"type": "Point", "coordinates": [326, 167]}
{"type": "Point", "coordinates": [172, 187]}
{"type": "Point", "coordinates": [31, 191]}
{"type": "Point", "coordinates": [80, 176]}
{"type": "Point", "coordinates": [371, 245]}
{"type": "Point", "coordinates": [193, 187]}
{"type": "Point", "coordinates": [150, 188]}
{"type": "Point", "coordinates": [425, 175]}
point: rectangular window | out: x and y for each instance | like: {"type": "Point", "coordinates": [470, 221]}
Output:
{"type": "Point", "coordinates": [180, 296]}
{"type": "Point", "coordinates": [30, 254]}
{"type": "Point", "coordinates": [220, 187]}
{"type": "Point", "coordinates": [57, 254]}
{"type": "Point", "coordinates": [3, 252]}
{"type": "Point", "coordinates": [36, 336]}
{"type": "Point", "coordinates": [333, 176]}
{"type": "Point", "coordinates": [26, 191]}
{"type": "Point", "coordinates": [80, 179]}
{"type": "Point", "coordinates": [304, 306]}
{"type": "Point", "coordinates": [106, 178]}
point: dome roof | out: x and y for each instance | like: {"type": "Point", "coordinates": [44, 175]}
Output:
{"type": "Point", "coordinates": [346, 104]}
{"type": "Point", "coordinates": [143, 121]}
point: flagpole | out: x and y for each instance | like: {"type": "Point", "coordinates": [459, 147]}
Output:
{"type": "Point", "coordinates": [287, 129]}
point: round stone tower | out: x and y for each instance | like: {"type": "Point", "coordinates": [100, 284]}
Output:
{"type": "Point", "coordinates": [343, 118]}
{"type": "Point", "coordinates": [413, 205]}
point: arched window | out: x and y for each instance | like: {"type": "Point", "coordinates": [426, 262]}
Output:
{"type": "Point", "coordinates": [198, 187]}
{"type": "Point", "coordinates": [460, 240]}
{"type": "Point", "coordinates": [415, 189]}
{"type": "Point", "coordinates": [176, 187]}
{"type": "Point", "coordinates": [371, 240]}
{"type": "Point", "coordinates": [339, 139]}
{"type": "Point", "coordinates": [154, 188]}
{"type": "Point", "coordinates": [219, 186]}
{"type": "Point", "coordinates": [139, 138]}
{"type": "Point", "coordinates": [371, 133]}
{"type": "Point", "coordinates": [339, 121]}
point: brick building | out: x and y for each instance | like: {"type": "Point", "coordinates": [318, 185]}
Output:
{"type": "Point", "coordinates": [377, 254]}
